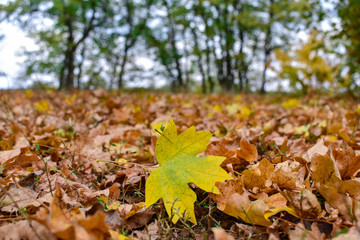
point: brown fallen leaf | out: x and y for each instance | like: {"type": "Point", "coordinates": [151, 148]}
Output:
{"type": "Point", "coordinates": [341, 202]}
{"type": "Point", "coordinates": [352, 234]}
{"type": "Point", "coordinates": [305, 202]}
{"type": "Point", "coordinates": [151, 232]}
{"type": "Point", "coordinates": [324, 171]}
{"type": "Point", "coordinates": [346, 160]}
{"type": "Point", "coordinates": [259, 176]}
{"type": "Point", "coordinates": [114, 191]}
{"type": "Point", "coordinates": [23, 230]}
{"type": "Point", "coordinates": [227, 189]}
{"type": "Point", "coordinates": [314, 146]}
{"type": "Point", "coordinates": [340, 195]}
{"type": "Point", "coordinates": [319, 148]}
{"type": "Point", "coordinates": [240, 206]}
{"type": "Point", "coordinates": [71, 224]}
{"type": "Point", "coordinates": [276, 200]}
{"type": "Point", "coordinates": [24, 159]}
{"type": "Point", "coordinates": [247, 151]}
{"type": "Point", "coordinates": [285, 180]}
{"type": "Point", "coordinates": [220, 234]}
{"type": "Point", "coordinates": [301, 233]}
{"type": "Point", "coordinates": [135, 215]}
{"type": "Point", "coordinates": [350, 188]}
{"type": "Point", "coordinates": [78, 192]}
{"type": "Point", "coordinates": [253, 178]}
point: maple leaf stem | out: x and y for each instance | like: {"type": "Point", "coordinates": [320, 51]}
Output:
{"type": "Point", "coordinates": [163, 135]}
{"type": "Point", "coordinates": [124, 163]}
{"type": "Point", "coordinates": [12, 219]}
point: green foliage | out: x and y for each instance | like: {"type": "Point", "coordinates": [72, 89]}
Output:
{"type": "Point", "coordinates": [60, 27]}
{"type": "Point", "coordinates": [202, 44]}
{"type": "Point", "coordinates": [349, 35]}
{"type": "Point", "coordinates": [306, 66]}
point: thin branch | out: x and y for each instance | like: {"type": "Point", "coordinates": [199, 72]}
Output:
{"type": "Point", "coordinates": [20, 210]}
{"type": "Point", "coordinates": [31, 196]}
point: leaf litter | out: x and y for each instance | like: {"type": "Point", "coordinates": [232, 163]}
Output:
{"type": "Point", "coordinates": [93, 165]}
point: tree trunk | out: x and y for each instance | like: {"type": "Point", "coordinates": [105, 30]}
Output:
{"type": "Point", "coordinates": [61, 77]}
{"type": "Point", "coordinates": [243, 68]}
{"type": "Point", "coordinates": [210, 79]}
{"type": "Point", "coordinates": [174, 52]}
{"type": "Point", "coordinates": [228, 47]}
{"type": "Point", "coordinates": [130, 40]}
{"type": "Point", "coordinates": [80, 67]}
{"type": "Point", "coordinates": [129, 19]}
{"type": "Point", "coordinates": [267, 46]}
{"type": "Point", "coordinates": [200, 65]}
{"type": "Point", "coordinates": [187, 60]}
{"type": "Point", "coordinates": [70, 66]}
{"type": "Point", "coordinates": [67, 75]}
{"type": "Point", "coordinates": [122, 68]}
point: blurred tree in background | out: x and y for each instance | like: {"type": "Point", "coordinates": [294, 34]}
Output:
{"type": "Point", "coordinates": [349, 12]}
{"type": "Point", "coordinates": [60, 28]}
{"type": "Point", "coordinates": [2, 74]}
{"type": "Point", "coordinates": [306, 66]}
{"type": "Point", "coordinates": [209, 45]}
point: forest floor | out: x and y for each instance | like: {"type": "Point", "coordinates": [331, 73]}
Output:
{"type": "Point", "coordinates": [75, 166]}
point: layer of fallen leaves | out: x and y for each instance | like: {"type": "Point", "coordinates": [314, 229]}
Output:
{"type": "Point", "coordinates": [74, 166]}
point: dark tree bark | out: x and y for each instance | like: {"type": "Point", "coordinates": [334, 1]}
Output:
{"type": "Point", "coordinates": [130, 39]}
{"type": "Point", "coordinates": [67, 74]}
{"type": "Point", "coordinates": [240, 59]}
{"type": "Point", "coordinates": [199, 61]}
{"type": "Point", "coordinates": [210, 79]}
{"type": "Point", "coordinates": [244, 65]}
{"type": "Point", "coordinates": [128, 43]}
{"type": "Point", "coordinates": [186, 55]}
{"type": "Point", "coordinates": [219, 60]}
{"type": "Point", "coordinates": [80, 66]}
{"type": "Point", "coordinates": [174, 52]}
{"type": "Point", "coordinates": [208, 50]}
{"type": "Point", "coordinates": [267, 46]}
{"type": "Point", "coordinates": [228, 47]}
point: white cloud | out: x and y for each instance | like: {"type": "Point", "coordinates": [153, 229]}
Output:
{"type": "Point", "coordinates": [10, 49]}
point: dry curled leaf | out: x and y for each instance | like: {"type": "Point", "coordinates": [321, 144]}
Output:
{"type": "Point", "coordinates": [247, 151]}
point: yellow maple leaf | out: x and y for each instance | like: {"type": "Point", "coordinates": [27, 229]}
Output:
{"type": "Point", "coordinates": [28, 93]}
{"type": "Point", "coordinates": [118, 236]}
{"type": "Point", "coordinates": [126, 213]}
{"type": "Point", "coordinates": [233, 108]}
{"type": "Point", "coordinates": [42, 106]}
{"type": "Point", "coordinates": [176, 155]}
{"type": "Point", "coordinates": [109, 203]}
{"type": "Point", "coordinates": [70, 99]}
{"type": "Point", "coordinates": [245, 111]}
{"type": "Point", "coordinates": [291, 103]}
{"type": "Point", "coordinates": [216, 108]}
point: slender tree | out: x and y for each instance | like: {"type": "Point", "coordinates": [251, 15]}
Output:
{"type": "Point", "coordinates": [65, 25]}
{"type": "Point", "coordinates": [348, 12]}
